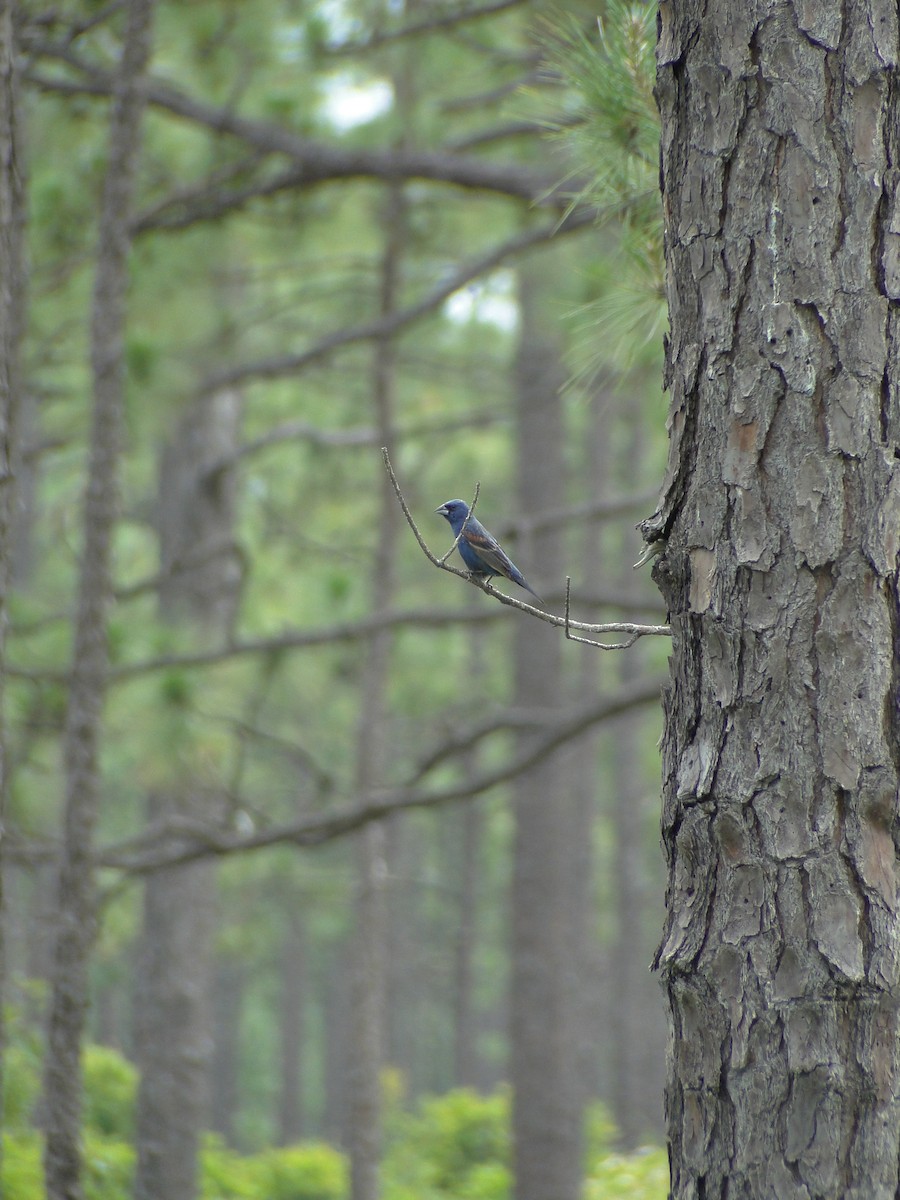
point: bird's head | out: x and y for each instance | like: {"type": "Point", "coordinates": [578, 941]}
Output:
{"type": "Point", "coordinates": [455, 511]}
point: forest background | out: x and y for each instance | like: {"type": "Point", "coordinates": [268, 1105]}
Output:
{"type": "Point", "coordinates": [356, 835]}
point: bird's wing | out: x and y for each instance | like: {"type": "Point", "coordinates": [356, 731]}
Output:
{"type": "Point", "coordinates": [488, 549]}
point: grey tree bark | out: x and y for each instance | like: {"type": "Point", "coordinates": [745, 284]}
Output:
{"type": "Point", "coordinates": [12, 297]}
{"type": "Point", "coordinates": [547, 1099]}
{"type": "Point", "coordinates": [75, 894]}
{"type": "Point", "coordinates": [200, 587]}
{"type": "Point", "coordinates": [781, 510]}
{"type": "Point", "coordinates": [294, 988]}
{"type": "Point", "coordinates": [229, 985]}
{"type": "Point", "coordinates": [368, 979]}
{"type": "Point", "coordinates": [173, 1028]}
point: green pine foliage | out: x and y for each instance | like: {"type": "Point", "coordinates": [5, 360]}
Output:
{"type": "Point", "coordinates": [612, 128]}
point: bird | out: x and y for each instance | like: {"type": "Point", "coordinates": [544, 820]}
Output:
{"type": "Point", "coordinates": [479, 549]}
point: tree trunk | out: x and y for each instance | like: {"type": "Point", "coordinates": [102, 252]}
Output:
{"type": "Point", "coordinates": [12, 298]}
{"type": "Point", "coordinates": [368, 982]}
{"type": "Point", "coordinates": [294, 987]}
{"type": "Point", "coordinates": [173, 1024]}
{"type": "Point", "coordinates": [200, 587]}
{"type": "Point", "coordinates": [781, 509]}
{"type": "Point", "coordinates": [465, 1056]}
{"type": "Point", "coordinates": [87, 687]}
{"type": "Point", "coordinates": [227, 1007]}
{"type": "Point", "coordinates": [547, 1114]}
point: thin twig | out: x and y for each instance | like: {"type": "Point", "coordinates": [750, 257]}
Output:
{"type": "Point", "coordinates": [632, 630]}
{"type": "Point", "coordinates": [589, 641]}
{"type": "Point", "coordinates": [462, 529]}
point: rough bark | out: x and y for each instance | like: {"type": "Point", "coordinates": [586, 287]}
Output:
{"type": "Point", "coordinates": [781, 951]}
{"type": "Point", "coordinates": [547, 1116]}
{"type": "Point", "coordinates": [76, 906]}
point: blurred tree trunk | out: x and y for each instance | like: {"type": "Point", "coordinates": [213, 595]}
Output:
{"type": "Point", "coordinates": [294, 987]}
{"type": "Point", "coordinates": [368, 982]}
{"type": "Point", "coordinates": [637, 1027]}
{"type": "Point", "coordinates": [469, 824]}
{"type": "Point", "coordinates": [76, 916]}
{"type": "Point", "coordinates": [173, 1034]}
{"type": "Point", "coordinates": [547, 1104]}
{"type": "Point", "coordinates": [230, 979]}
{"type": "Point", "coordinates": [337, 1036]}
{"type": "Point", "coordinates": [200, 587]}
{"type": "Point", "coordinates": [781, 513]}
{"type": "Point", "coordinates": [12, 303]}
{"type": "Point", "coordinates": [592, 573]}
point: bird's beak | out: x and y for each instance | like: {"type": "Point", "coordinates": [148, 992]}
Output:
{"type": "Point", "coordinates": [442, 510]}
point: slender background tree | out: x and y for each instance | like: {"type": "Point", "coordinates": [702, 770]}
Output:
{"type": "Point", "coordinates": [76, 904]}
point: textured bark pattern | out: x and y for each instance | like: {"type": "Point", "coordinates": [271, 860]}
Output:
{"type": "Point", "coordinates": [781, 953]}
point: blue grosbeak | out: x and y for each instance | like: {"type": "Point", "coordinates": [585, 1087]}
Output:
{"type": "Point", "coordinates": [480, 550]}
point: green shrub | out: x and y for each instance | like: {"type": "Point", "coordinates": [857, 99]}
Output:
{"type": "Point", "coordinates": [110, 1085]}
{"type": "Point", "coordinates": [22, 1175]}
{"type": "Point", "coordinates": [108, 1168]}
{"type": "Point", "coordinates": [453, 1145]}
{"type": "Point", "coordinates": [310, 1171]}
{"type": "Point", "coordinates": [226, 1175]}
{"type": "Point", "coordinates": [21, 1085]}
{"type": "Point", "coordinates": [643, 1175]}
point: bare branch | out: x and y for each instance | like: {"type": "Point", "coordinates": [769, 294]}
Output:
{"type": "Point", "coordinates": [360, 436]}
{"type": "Point", "coordinates": [315, 162]}
{"type": "Point", "coordinates": [419, 28]}
{"type": "Point", "coordinates": [627, 627]}
{"type": "Point", "coordinates": [392, 323]}
{"type": "Point", "coordinates": [589, 641]}
{"type": "Point", "coordinates": [190, 843]}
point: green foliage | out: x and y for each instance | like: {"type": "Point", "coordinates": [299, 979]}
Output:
{"type": "Point", "coordinates": [312, 1171]}
{"type": "Point", "coordinates": [613, 118]}
{"type": "Point", "coordinates": [110, 1083]}
{"type": "Point", "coordinates": [612, 131]}
{"type": "Point", "coordinates": [108, 1168]}
{"type": "Point", "coordinates": [451, 1145]}
{"type": "Point", "coordinates": [226, 1175]}
{"type": "Point", "coordinates": [643, 1175]}
{"type": "Point", "coordinates": [22, 1174]}
{"type": "Point", "coordinates": [21, 1073]}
